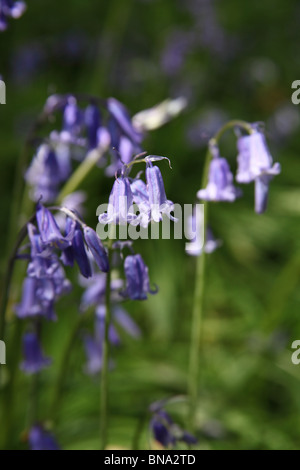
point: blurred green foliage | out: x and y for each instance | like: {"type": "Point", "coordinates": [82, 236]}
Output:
{"type": "Point", "coordinates": [249, 389]}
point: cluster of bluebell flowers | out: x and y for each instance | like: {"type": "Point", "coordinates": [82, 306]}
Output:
{"type": "Point", "coordinates": [255, 164]}
{"type": "Point", "coordinates": [10, 9]}
{"type": "Point", "coordinates": [150, 197]}
{"type": "Point", "coordinates": [101, 127]}
{"type": "Point", "coordinates": [45, 281]}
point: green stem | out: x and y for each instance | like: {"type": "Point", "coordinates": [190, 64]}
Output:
{"type": "Point", "coordinates": [81, 173]}
{"type": "Point", "coordinates": [138, 431]}
{"type": "Point", "coordinates": [61, 377]}
{"type": "Point", "coordinates": [229, 125]}
{"type": "Point", "coordinates": [8, 276]}
{"type": "Point", "coordinates": [197, 312]}
{"type": "Point", "coordinates": [197, 315]}
{"type": "Point", "coordinates": [105, 365]}
{"type": "Point", "coordinates": [8, 392]}
{"type": "Point", "coordinates": [33, 400]}
{"type": "Point", "coordinates": [196, 331]}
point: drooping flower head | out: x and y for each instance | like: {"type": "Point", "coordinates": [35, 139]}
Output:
{"type": "Point", "coordinates": [255, 163]}
{"type": "Point", "coordinates": [137, 278]}
{"type": "Point", "coordinates": [141, 199]}
{"type": "Point", "coordinates": [166, 432]}
{"type": "Point", "coordinates": [97, 249]}
{"type": "Point", "coordinates": [34, 359]}
{"type": "Point", "coordinates": [45, 281]}
{"type": "Point", "coordinates": [158, 201]}
{"type": "Point", "coordinates": [41, 439]}
{"type": "Point", "coordinates": [46, 173]}
{"type": "Point", "coordinates": [92, 120]}
{"type": "Point", "coordinates": [120, 210]}
{"type": "Point", "coordinates": [220, 183]}
{"type": "Point", "coordinates": [49, 230]}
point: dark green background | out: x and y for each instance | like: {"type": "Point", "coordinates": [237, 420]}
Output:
{"type": "Point", "coordinates": [249, 391]}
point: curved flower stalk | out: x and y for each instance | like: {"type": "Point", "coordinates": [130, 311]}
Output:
{"type": "Point", "coordinates": [10, 9]}
{"type": "Point", "coordinates": [255, 164]}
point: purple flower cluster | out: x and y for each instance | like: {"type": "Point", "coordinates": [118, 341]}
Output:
{"type": "Point", "coordinates": [10, 9]}
{"type": "Point", "coordinates": [150, 198]}
{"type": "Point", "coordinates": [45, 282]}
{"type": "Point", "coordinates": [166, 432]}
{"type": "Point", "coordinates": [255, 164]}
{"type": "Point", "coordinates": [102, 125]}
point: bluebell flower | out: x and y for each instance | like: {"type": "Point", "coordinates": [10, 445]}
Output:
{"type": "Point", "coordinates": [157, 196]}
{"type": "Point", "coordinates": [97, 249]}
{"type": "Point", "coordinates": [72, 118]}
{"type": "Point", "coordinates": [255, 163]}
{"type": "Point", "coordinates": [137, 278]}
{"type": "Point", "coordinates": [121, 116]}
{"type": "Point", "coordinates": [120, 210]}
{"type": "Point", "coordinates": [67, 255]}
{"type": "Point", "coordinates": [29, 306]}
{"type": "Point", "coordinates": [92, 119]}
{"type": "Point", "coordinates": [125, 139]}
{"type": "Point", "coordinates": [125, 321]}
{"type": "Point", "coordinates": [220, 183]}
{"type": "Point", "coordinates": [141, 198]}
{"type": "Point", "coordinates": [49, 230]}
{"type": "Point", "coordinates": [160, 424]}
{"type": "Point", "coordinates": [40, 439]}
{"type": "Point", "coordinates": [34, 359]}
{"type": "Point", "coordinates": [80, 254]}
{"type": "Point", "coordinates": [94, 355]}
{"type": "Point", "coordinates": [10, 9]}
{"type": "Point", "coordinates": [262, 193]}
{"type": "Point", "coordinates": [45, 281]}
{"type": "Point", "coordinates": [254, 158]}
{"type": "Point", "coordinates": [166, 432]}
{"type": "Point", "coordinates": [45, 174]}
{"type": "Point", "coordinates": [95, 291]}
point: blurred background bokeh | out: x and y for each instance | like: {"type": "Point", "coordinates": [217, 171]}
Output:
{"type": "Point", "coordinates": [229, 60]}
